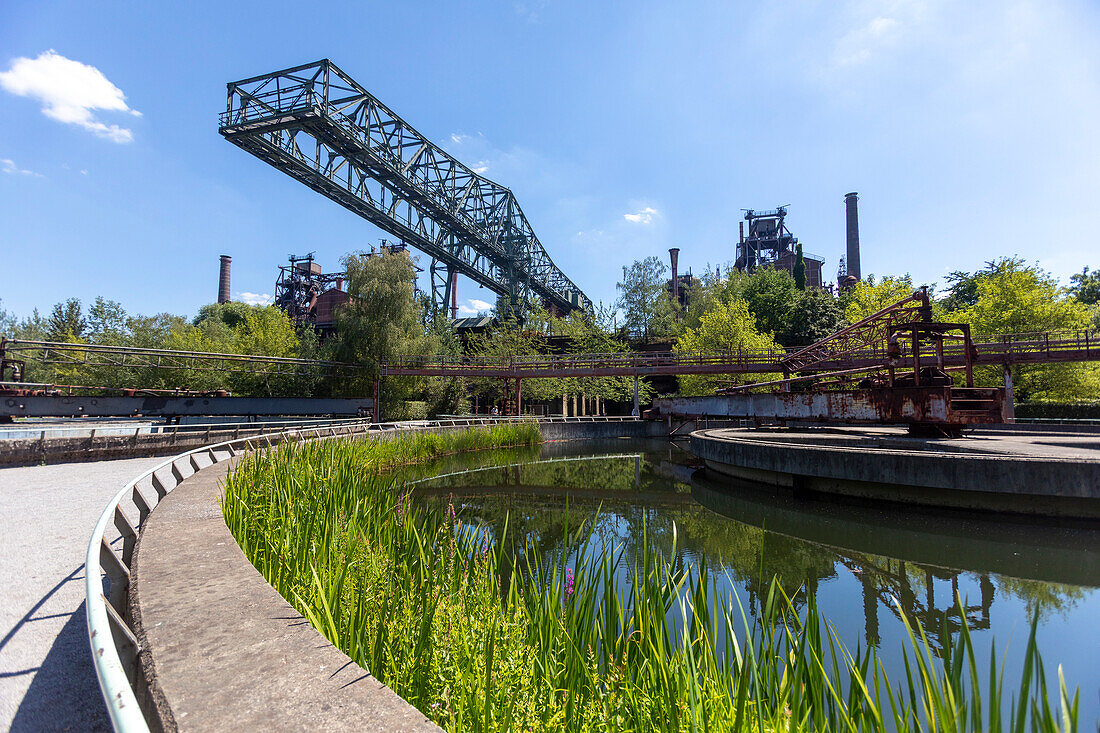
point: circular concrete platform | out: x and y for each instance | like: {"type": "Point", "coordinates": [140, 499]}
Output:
{"type": "Point", "coordinates": [1040, 473]}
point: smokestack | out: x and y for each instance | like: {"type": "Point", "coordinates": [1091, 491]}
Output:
{"type": "Point", "coordinates": [223, 280]}
{"type": "Point", "coordinates": [852, 259]}
{"type": "Point", "coordinates": [454, 295]}
{"type": "Point", "coordinates": [674, 253]}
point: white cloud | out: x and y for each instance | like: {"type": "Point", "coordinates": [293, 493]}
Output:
{"type": "Point", "coordinates": [458, 138]}
{"type": "Point", "coordinates": [473, 306]}
{"type": "Point", "coordinates": [480, 167]}
{"type": "Point", "coordinates": [643, 216]}
{"type": "Point", "coordinates": [70, 92]}
{"type": "Point", "coordinates": [255, 298]}
{"type": "Point", "coordinates": [7, 165]}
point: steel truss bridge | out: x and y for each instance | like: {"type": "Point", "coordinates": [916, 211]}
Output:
{"type": "Point", "coordinates": [318, 125]}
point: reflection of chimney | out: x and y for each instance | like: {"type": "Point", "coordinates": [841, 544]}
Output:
{"type": "Point", "coordinates": [852, 259]}
{"type": "Point", "coordinates": [674, 253]}
{"type": "Point", "coordinates": [223, 280]}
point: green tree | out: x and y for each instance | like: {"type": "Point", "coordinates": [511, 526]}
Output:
{"type": "Point", "coordinates": [870, 296]}
{"type": "Point", "coordinates": [728, 327]}
{"type": "Point", "coordinates": [381, 320]}
{"type": "Point", "coordinates": [647, 309]}
{"type": "Point", "coordinates": [799, 268]}
{"type": "Point", "coordinates": [231, 314]}
{"type": "Point", "coordinates": [771, 296]}
{"type": "Point", "coordinates": [107, 322]}
{"type": "Point", "coordinates": [815, 315]}
{"type": "Point", "coordinates": [1086, 286]}
{"type": "Point", "coordinates": [1016, 298]}
{"type": "Point", "coordinates": [66, 323]}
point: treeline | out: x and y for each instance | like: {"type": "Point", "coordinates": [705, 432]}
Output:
{"type": "Point", "coordinates": [236, 328]}
{"type": "Point", "coordinates": [726, 310]}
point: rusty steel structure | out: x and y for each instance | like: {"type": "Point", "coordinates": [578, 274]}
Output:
{"type": "Point", "coordinates": [996, 350]}
{"type": "Point", "coordinates": [769, 243]}
{"type": "Point", "coordinates": [318, 125]}
{"type": "Point", "coordinates": [895, 366]}
{"type": "Point", "coordinates": [308, 295]}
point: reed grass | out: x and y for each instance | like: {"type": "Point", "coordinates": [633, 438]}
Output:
{"type": "Point", "coordinates": [481, 638]}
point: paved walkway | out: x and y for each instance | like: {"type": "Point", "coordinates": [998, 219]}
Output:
{"type": "Point", "coordinates": [46, 517]}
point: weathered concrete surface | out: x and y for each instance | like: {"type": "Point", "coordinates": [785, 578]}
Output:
{"type": "Point", "coordinates": [223, 649]}
{"type": "Point", "coordinates": [1019, 472]}
{"type": "Point", "coordinates": [598, 430]}
{"type": "Point", "coordinates": [46, 517]}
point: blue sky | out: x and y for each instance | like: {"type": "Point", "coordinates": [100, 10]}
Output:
{"type": "Point", "coordinates": [969, 130]}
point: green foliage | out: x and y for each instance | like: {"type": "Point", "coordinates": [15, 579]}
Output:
{"type": "Point", "coordinates": [1059, 410]}
{"type": "Point", "coordinates": [1013, 297]}
{"type": "Point", "coordinates": [815, 315]}
{"type": "Point", "coordinates": [799, 268]}
{"type": "Point", "coordinates": [482, 638]}
{"type": "Point", "coordinates": [66, 322]}
{"type": "Point", "coordinates": [870, 296]}
{"type": "Point", "coordinates": [231, 314]}
{"type": "Point", "coordinates": [728, 327]}
{"type": "Point", "coordinates": [107, 322]}
{"type": "Point", "coordinates": [794, 316]}
{"type": "Point", "coordinates": [382, 319]}
{"type": "Point", "coordinates": [1086, 286]}
{"type": "Point", "coordinates": [772, 296]}
{"type": "Point", "coordinates": [647, 310]}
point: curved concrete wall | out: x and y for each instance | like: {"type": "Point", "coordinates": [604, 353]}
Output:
{"type": "Point", "coordinates": [1009, 483]}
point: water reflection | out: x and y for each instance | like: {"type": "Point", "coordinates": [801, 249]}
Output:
{"type": "Point", "coordinates": [866, 565]}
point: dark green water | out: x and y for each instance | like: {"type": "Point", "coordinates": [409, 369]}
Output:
{"type": "Point", "coordinates": [867, 565]}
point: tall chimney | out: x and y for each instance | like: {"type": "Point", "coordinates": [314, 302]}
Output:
{"type": "Point", "coordinates": [223, 280]}
{"type": "Point", "coordinates": [454, 295]}
{"type": "Point", "coordinates": [674, 253]}
{"type": "Point", "coordinates": [852, 259]}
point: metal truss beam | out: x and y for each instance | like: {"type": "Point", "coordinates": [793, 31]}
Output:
{"type": "Point", "coordinates": [319, 126]}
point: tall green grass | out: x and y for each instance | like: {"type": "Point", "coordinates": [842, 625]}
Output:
{"type": "Point", "coordinates": [480, 637]}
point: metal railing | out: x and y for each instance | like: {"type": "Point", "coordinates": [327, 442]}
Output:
{"type": "Point", "coordinates": [209, 430]}
{"type": "Point", "coordinates": [114, 646]}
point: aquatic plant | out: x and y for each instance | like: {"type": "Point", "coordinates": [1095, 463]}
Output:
{"type": "Point", "coordinates": [482, 637]}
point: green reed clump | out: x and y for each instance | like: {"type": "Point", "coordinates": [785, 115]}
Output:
{"type": "Point", "coordinates": [480, 638]}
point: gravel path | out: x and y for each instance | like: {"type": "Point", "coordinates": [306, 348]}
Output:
{"type": "Point", "coordinates": [46, 517]}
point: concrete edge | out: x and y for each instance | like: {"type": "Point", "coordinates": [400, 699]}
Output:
{"type": "Point", "coordinates": [1058, 487]}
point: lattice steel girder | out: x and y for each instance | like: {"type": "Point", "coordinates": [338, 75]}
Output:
{"type": "Point", "coordinates": [316, 124]}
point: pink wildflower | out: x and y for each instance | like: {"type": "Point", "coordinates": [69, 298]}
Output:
{"type": "Point", "coordinates": [568, 582]}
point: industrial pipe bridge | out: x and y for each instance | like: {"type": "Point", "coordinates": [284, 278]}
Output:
{"type": "Point", "coordinates": [1008, 349]}
{"type": "Point", "coordinates": [318, 125]}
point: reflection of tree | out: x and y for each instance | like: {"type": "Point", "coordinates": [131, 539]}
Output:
{"type": "Point", "coordinates": [624, 500]}
{"type": "Point", "coordinates": [1041, 596]}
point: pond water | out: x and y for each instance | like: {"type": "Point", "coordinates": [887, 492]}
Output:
{"type": "Point", "coordinates": [867, 564]}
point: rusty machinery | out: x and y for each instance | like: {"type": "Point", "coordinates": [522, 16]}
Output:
{"type": "Point", "coordinates": [301, 285]}
{"type": "Point", "coordinates": [885, 357]}
{"type": "Point", "coordinates": [769, 243]}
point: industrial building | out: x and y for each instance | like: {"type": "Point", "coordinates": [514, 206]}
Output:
{"type": "Point", "coordinates": [769, 243]}
{"type": "Point", "coordinates": [309, 295]}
